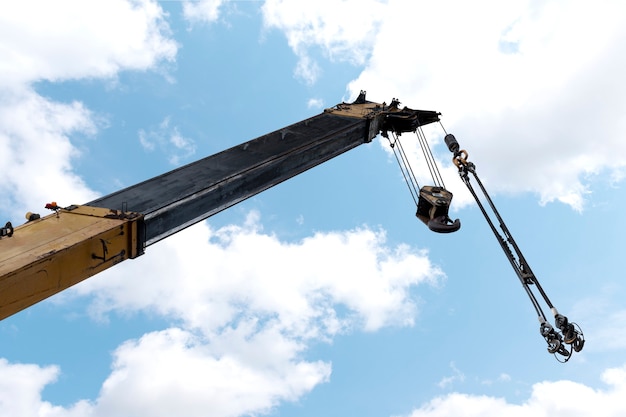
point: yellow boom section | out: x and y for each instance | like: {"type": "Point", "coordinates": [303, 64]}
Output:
{"type": "Point", "coordinates": [49, 255]}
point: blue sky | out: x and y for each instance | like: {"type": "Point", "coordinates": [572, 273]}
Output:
{"type": "Point", "coordinates": [324, 295]}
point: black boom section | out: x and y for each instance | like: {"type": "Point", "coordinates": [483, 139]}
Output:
{"type": "Point", "coordinates": [189, 194]}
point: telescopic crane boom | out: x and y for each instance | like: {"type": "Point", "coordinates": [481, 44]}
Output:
{"type": "Point", "coordinates": [49, 254]}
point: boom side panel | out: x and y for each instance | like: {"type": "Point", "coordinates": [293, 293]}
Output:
{"type": "Point", "coordinates": [49, 255]}
{"type": "Point", "coordinates": [182, 197]}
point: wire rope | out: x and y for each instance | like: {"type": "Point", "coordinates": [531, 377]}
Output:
{"type": "Point", "coordinates": [405, 167]}
{"type": "Point", "coordinates": [431, 162]}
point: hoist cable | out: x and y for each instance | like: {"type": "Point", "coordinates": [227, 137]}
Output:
{"type": "Point", "coordinates": [521, 264]}
{"type": "Point", "coordinates": [429, 158]}
{"type": "Point", "coordinates": [402, 163]}
{"type": "Point", "coordinates": [407, 164]}
{"type": "Point", "coordinates": [503, 242]}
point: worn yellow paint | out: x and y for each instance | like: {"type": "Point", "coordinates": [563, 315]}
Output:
{"type": "Point", "coordinates": [357, 110]}
{"type": "Point", "coordinates": [49, 255]}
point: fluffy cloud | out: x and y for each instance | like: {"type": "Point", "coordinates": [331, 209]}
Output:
{"type": "Point", "coordinates": [244, 327]}
{"type": "Point", "coordinates": [248, 306]}
{"type": "Point", "coordinates": [202, 10]}
{"type": "Point", "coordinates": [74, 39]}
{"type": "Point", "coordinates": [534, 92]}
{"type": "Point", "coordinates": [196, 377]}
{"type": "Point", "coordinates": [344, 30]}
{"type": "Point", "coordinates": [61, 41]}
{"type": "Point", "coordinates": [550, 398]}
{"type": "Point", "coordinates": [169, 140]}
{"type": "Point", "coordinates": [35, 140]}
{"type": "Point", "coordinates": [223, 385]}
{"type": "Point", "coordinates": [20, 392]}
{"type": "Point", "coordinates": [299, 284]}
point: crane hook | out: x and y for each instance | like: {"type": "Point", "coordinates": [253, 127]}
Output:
{"type": "Point", "coordinates": [432, 209]}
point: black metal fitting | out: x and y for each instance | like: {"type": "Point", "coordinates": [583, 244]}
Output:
{"type": "Point", "coordinates": [7, 230]}
{"type": "Point", "coordinates": [452, 143]}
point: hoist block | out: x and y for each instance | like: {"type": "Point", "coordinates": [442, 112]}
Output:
{"type": "Point", "coordinates": [432, 209]}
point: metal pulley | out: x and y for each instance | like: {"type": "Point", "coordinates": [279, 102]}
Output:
{"type": "Point", "coordinates": [432, 201]}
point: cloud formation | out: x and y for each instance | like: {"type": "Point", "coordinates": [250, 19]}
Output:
{"type": "Point", "coordinates": [195, 376]}
{"type": "Point", "coordinates": [55, 44]}
{"type": "Point", "coordinates": [298, 284]}
{"type": "Point", "coordinates": [247, 317]}
{"type": "Point", "coordinates": [245, 326]}
{"type": "Point", "coordinates": [549, 398]}
{"type": "Point", "coordinates": [343, 30]}
{"type": "Point", "coordinates": [535, 85]}
{"type": "Point", "coordinates": [242, 329]}
{"type": "Point", "coordinates": [534, 93]}
{"type": "Point", "coordinates": [131, 388]}
{"type": "Point", "coordinates": [169, 140]}
{"type": "Point", "coordinates": [81, 40]}
{"type": "Point", "coordinates": [202, 10]}
{"type": "Point", "coordinates": [35, 139]}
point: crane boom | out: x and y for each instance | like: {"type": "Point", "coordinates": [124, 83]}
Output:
{"type": "Point", "coordinates": [50, 254]}
{"type": "Point", "coordinates": [184, 196]}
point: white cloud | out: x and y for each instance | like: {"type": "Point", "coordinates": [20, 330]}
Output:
{"type": "Point", "coordinates": [248, 335]}
{"type": "Point", "coordinates": [195, 376]}
{"type": "Point", "coordinates": [535, 85]}
{"type": "Point", "coordinates": [20, 392]}
{"type": "Point", "coordinates": [35, 141]}
{"type": "Point", "coordinates": [344, 30]}
{"type": "Point", "coordinates": [315, 103]}
{"type": "Point", "coordinates": [169, 140]}
{"type": "Point", "coordinates": [299, 284]}
{"type": "Point", "coordinates": [61, 41]}
{"type": "Point", "coordinates": [75, 39]}
{"type": "Point", "coordinates": [550, 398]}
{"type": "Point", "coordinates": [171, 370]}
{"type": "Point", "coordinates": [21, 385]}
{"type": "Point", "coordinates": [192, 377]}
{"type": "Point", "coordinates": [202, 10]}
{"type": "Point", "coordinates": [503, 377]}
{"type": "Point", "coordinates": [457, 376]}
{"type": "Point", "coordinates": [535, 92]}
{"type": "Point", "coordinates": [248, 316]}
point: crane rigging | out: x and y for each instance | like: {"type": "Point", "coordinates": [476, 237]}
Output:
{"type": "Point", "coordinates": [432, 201]}
{"type": "Point", "coordinates": [432, 208]}
{"type": "Point", "coordinates": [568, 333]}
{"type": "Point", "coordinates": [49, 254]}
